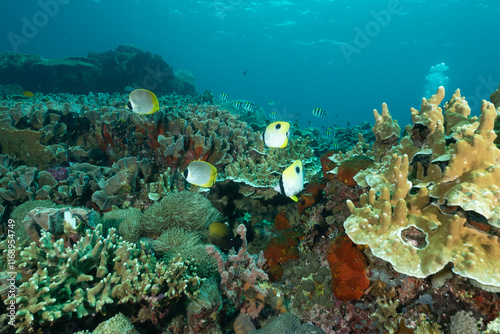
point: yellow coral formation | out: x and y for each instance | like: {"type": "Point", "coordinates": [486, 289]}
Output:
{"type": "Point", "coordinates": [430, 114]}
{"type": "Point", "coordinates": [385, 127]}
{"type": "Point", "coordinates": [464, 172]}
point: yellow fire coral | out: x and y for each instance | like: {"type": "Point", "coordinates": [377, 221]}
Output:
{"type": "Point", "coordinates": [407, 224]}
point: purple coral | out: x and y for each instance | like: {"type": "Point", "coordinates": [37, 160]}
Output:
{"type": "Point", "coordinates": [239, 269]}
{"type": "Point", "coordinates": [60, 173]}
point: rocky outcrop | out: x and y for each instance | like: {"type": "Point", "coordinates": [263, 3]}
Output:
{"type": "Point", "coordinates": [109, 71]}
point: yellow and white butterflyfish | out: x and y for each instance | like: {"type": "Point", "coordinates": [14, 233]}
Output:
{"type": "Point", "coordinates": [276, 134]}
{"type": "Point", "coordinates": [201, 174]}
{"type": "Point", "coordinates": [143, 101]}
{"type": "Point", "coordinates": [292, 180]}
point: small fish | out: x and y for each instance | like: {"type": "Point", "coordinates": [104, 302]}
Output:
{"type": "Point", "coordinates": [318, 112]}
{"type": "Point", "coordinates": [129, 88]}
{"type": "Point", "coordinates": [220, 235]}
{"type": "Point", "coordinates": [248, 106]}
{"type": "Point", "coordinates": [245, 73]}
{"type": "Point", "coordinates": [273, 115]}
{"type": "Point", "coordinates": [276, 134]}
{"type": "Point", "coordinates": [143, 101]}
{"type": "Point", "coordinates": [329, 133]}
{"type": "Point", "coordinates": [223, 96]}
{"type": "Point", "coordinates": [291, 181]}
{"type": "Point", "coordinates": [237, 105]}
{"type": "Point", "coordinates": [272, 102]}
{"type": "Point", "coordinates": [28, 93]}
{"type": "Point", "coordinates": [201, 174]}
{"type": "Point", "coordinates": [348, 124]}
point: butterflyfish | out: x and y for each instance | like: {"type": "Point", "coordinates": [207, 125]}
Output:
{"type": "Point", "coordinates": [291, 181]}
{"type": "Point", "coordinates": [143, 101]}
{"type": "Point", "coordinates": [276, 134]}
{"type": "Point", "coordinates": [201, 174]}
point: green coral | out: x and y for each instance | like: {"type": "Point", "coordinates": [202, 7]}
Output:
{"type": "Point", "coordinates": [183, 209]}
{"type": "Point", "coordinates": [187, 244]}
{"type": "Point", "coordinates": [119, 324]}
{"type": "Point", "coordinates": [95, 272]}
{"type": "Point", "coordinates": [126, 221]}
{"type": "Point", "coordinates": [21, 211]}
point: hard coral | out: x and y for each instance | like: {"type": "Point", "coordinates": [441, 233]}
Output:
{"type": "Point", "coordinates": [92, 276]}
{"type": "Point", "coordinates": [450, 175]}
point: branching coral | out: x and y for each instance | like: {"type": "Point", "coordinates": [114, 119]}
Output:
{"type": "Point", "coordinates": [463, 173]}
{"type": "Point", "coordinates": [240, 272]}
{"type": "Point", "coordinates": [97, 272]}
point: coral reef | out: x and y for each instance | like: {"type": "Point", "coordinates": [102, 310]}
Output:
{"type": "Point", "coordinates": [118, 236]}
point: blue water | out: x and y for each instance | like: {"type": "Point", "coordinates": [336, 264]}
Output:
{"type": "Point", "coordinates": [291, 51]}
